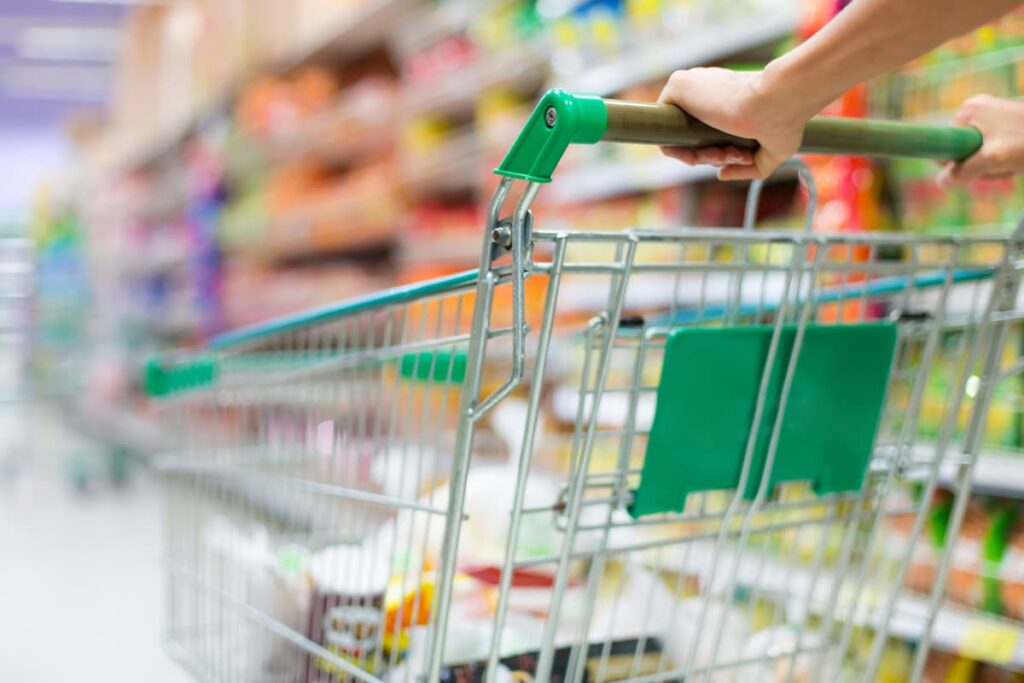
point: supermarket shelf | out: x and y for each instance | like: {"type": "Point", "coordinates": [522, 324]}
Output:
{"type": "Point", "coordinates": [453, 166]}
{"type": "Point", "coordinates": [338, 226]}
{"type": "Point", "coordinates": [449, 250]}
{"type": "Point", "coordinates": [522, 68]}
{"type": "Point", "coordinates": [614, 178]}
{"type": "Point", "coordinates": [118, 427]}
{"type": "Point", "coordinates": [657, 59]}
{"type": "Point", "coordinates": [341, 238]}
{"type": "Point", "coordinates": [141, 155]}
{"type": "Point", "coordinates": [161, 204]}
{"type": "Point", "coordinates": [174, 326]}
{"type": "Point", "coordinates": [996, 472]}
{"type": "Point", "coordinates": [339, 135]}
{"type": "Point", "coordinates": [156, 262]}
{"type": "Point", "coordinates": [369, 25]}
{"type": "Point", "coordinates": [967, 632]}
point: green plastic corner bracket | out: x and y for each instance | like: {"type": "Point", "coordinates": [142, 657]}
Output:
{"type": "Point", "coordinates": [559, 120]}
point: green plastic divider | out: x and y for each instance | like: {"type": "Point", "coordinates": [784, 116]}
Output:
{"type": "Point", "coordinates": [161, 379]}
{"type": "Point", "coordinates": [706, 401]}
{"type": "Point", "coordinates": [434, 366]}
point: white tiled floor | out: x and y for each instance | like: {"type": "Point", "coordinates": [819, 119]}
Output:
{"type": "Point", "coordinates": [80, 582]}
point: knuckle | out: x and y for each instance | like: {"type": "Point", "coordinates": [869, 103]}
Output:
{"type": "Point", "coordinates": [995, 154]}
{"type": "Point", "coordinates": [678, 78]}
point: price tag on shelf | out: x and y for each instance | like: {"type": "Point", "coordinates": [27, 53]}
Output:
{"type": "Point", "coordinates": [989, 642]}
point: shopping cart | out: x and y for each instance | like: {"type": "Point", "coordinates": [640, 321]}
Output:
{"type": "Point", "coordinates": [649, 455]}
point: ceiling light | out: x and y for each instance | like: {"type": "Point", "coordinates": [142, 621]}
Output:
{"type": "Point", "coordinates": [68, 42]}
{"type": "Point", "coordinates": [56, 82]}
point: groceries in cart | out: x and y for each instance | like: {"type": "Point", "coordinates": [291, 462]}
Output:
{"type": "Point", "coordinates": [548, 470]}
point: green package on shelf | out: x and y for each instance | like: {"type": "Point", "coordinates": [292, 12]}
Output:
{"type": "Point", "coordinates": [707, 397]}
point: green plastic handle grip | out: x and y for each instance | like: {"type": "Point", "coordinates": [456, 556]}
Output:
{"type": "Point", "coordinates": [664, 124]}
{"type": "Point", "coordinates": [563, 118]}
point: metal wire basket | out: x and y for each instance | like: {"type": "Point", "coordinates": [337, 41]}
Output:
{"type": "Point", "coordinates": [646, 455]}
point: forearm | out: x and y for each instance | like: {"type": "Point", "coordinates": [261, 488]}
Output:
{"type": "Point", "coordinates": [866, 39]}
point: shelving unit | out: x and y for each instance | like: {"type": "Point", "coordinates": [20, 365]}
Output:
{"type": "Point", "coordinates": [655, 60]}
{"type": "Point", "coordinates": [966, 632]}
{"type": "Point", "coordinates": [969, 633]}
{"type": "Point", "coordinates": [616, 178]}
{"type": "Point", "coordinates": [368, 128]}
{"type": "Point", "coordinates": [263, 214]}
{"type": "Point", "coordinates": [455, 165]}
{"type": "Point", "coordinates": [996, 472]}
{"type": "Point", "coordinates": [364, 27]}
{"type": "Point", "coordinates": [521, 69]}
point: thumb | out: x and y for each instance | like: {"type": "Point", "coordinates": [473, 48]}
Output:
{"type": "Point", "coordinates": [944, 178]}
{"type": "Point", "coordinates": [766, 162]}
{"type": "Point", "coordinates": [739, 172]}
{"type": "Point", "coordinates": [958, 173]}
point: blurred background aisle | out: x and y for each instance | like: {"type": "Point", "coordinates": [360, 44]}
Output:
{"type": "Point", "coordinates": [171, 169]}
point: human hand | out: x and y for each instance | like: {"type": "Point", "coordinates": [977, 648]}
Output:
{"type": "Point", "coordinates": [1001, 123]}
{"type": "Point", "coordinates": [748, 104]}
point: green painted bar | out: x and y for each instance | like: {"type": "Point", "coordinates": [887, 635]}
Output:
{"type": "Point", "coordinates": [859, 137]}
{"type": "Point", "coordinates": [387, 297]}
{"type": "Point", "coordinates": [662, 124]}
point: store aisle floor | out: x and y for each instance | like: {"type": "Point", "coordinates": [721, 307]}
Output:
{"type": "Point", "coordinates": [80, 582]}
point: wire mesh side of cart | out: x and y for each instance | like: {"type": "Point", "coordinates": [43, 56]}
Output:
{"type": "Point", "coordinates": [307, 502]}
{"type": "Point", "coordinates": [307, 507]}
{"type": "Point", "coordinates": [767, 579]}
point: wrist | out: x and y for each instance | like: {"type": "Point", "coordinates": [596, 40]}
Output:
{"type": "Point", "coordinates": [782, 91]}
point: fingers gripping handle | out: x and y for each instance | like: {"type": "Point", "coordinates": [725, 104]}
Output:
{"type": "Point", "coordinates": [562, 118]}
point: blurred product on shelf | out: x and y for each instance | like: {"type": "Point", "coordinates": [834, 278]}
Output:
{"type": "Point", "coordinates": [985, 572]}
{"type": "Point", "coordinates": [255, 291]}
{"type": "Point", "coordinates": [312, 116]}
{"type": "Point", "coordinates": [947, 668]}
{"type": "Point", "coordinates": [985, 205]}
{"type": "Point", "coordinates": [60, 293]}
{"type": "Point", "coordinates": [604, 46]}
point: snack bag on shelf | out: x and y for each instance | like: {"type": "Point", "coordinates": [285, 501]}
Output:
{"type": "Point", "coordinates": [987, 673]}
{"type": "Point", "coordinates": [965, 575]}
{"type": "Point", "coordinates": [924, 558]}
{"type": "Point", "coordinates": [942, 667]}
{"type": "Point", "coordinates": [1011, 573]}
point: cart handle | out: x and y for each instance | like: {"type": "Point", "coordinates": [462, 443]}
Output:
{"type": "Point", "coordinates": [562, 118]}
